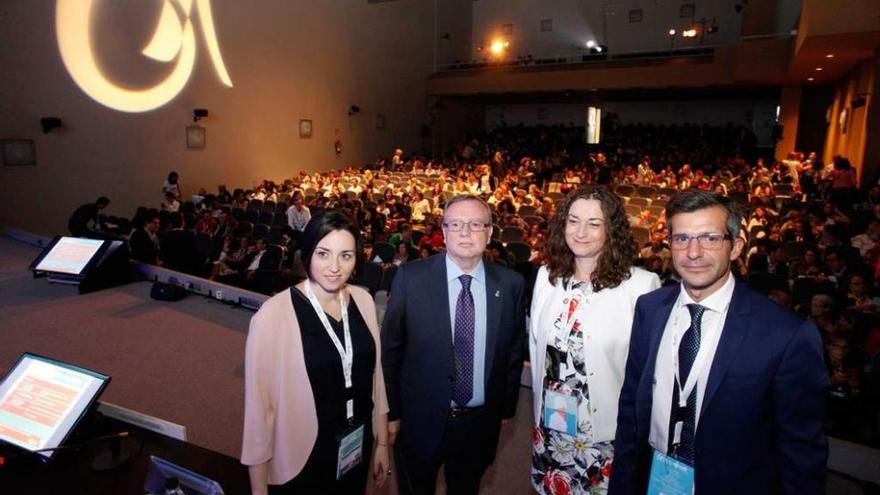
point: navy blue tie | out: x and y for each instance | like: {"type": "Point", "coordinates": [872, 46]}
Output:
{"type": "Point", "coordinates": [687, 353]}
{"type": "Point", "coordinates": [463, 388]}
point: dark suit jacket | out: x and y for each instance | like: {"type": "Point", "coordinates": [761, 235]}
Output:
{"type": "Point", "coordinates": [179, 251]}
{"type": "Point", "coordinates": [760, 428]}
{"type": "Point", "coordinates": [141, 247]}
{"type": "Point", "coordinates": [417, 354]}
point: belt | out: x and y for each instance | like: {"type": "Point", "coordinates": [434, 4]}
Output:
{"type": "Point", "coordinates": [458, 412]}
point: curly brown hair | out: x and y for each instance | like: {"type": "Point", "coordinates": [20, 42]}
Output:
{"type": "Point", "coordinates": [617, 255]}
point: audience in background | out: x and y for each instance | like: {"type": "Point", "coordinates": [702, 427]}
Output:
{"type": "Point", "coordinates": [808, 228]}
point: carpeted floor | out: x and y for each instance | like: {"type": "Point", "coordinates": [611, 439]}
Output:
{"type": "Point", "coordinates": [182, 361]}
{"type": "Point", "coordinates": [178, 361]}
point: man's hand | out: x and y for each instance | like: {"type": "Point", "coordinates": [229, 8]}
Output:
{"type": "Point", "coordinates": [393, 429]}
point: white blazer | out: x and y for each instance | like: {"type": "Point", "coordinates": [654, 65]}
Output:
{"type": "Point", "coordinates": [607, 318]}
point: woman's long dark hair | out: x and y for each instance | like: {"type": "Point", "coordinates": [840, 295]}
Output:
{"type": "Point", "coordinates": [617, 255]}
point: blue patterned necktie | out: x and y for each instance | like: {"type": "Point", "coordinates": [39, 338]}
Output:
{"type": "Point", "coordinates": [687, 353]}
{"type": "Point", "coordinates": [463, 388]}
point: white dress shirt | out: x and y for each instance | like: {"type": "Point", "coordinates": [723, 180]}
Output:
{"type": "Point", "coordinates": [678, 323]}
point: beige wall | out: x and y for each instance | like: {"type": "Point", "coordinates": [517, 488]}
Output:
{"type": "Point", "coordinates": [288, 59]}
{"type": "Point", "coordinates": [789, 111]}
{"type": "Point", "coordinates": [852, 144]}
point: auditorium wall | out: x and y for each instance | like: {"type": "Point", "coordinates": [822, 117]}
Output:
{"type": "Point", "coordinates": [759, 115]}
{"type": "Point", "coordinates": [854, 130]}
{"type": "Point", "coordinates": [574, 22]}
{"type": "Point", "coordinates": [287, 60]}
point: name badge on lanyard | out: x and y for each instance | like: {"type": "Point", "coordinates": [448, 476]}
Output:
{"type": "Point", "coordinates": [670, 476]}
{"type": "Point", "coordinates": [350, 442]}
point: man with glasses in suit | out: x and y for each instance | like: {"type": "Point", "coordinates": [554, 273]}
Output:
{"type": "Point", "coordinates": [724, 390]}
{"type": "Point", "coordinates": [452, 352]}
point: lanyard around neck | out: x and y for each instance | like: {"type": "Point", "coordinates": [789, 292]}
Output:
{"type": "Point", "coordinates": [346, 352]}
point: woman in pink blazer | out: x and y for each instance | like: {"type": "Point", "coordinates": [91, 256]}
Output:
{"type": "Point", "coordinates": [314, 394]}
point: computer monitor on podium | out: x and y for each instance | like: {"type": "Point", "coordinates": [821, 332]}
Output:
{"type": "Point", "coordinates": [42, 400]}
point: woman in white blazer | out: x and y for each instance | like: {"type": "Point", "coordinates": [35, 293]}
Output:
{"type": "Point", "coordinates": [581, 317]}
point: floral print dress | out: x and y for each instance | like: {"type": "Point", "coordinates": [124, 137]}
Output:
{"type": "Point", "coordinates": [563, 464]}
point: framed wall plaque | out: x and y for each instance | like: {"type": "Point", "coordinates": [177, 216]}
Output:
{"type": "Point", "coordinates": [195, 137]}
{"type": "Point", "coordinates": [305, 128]}
{"type": "Point", "coordinates": [17, 152]}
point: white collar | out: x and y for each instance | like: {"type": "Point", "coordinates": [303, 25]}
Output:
{"type": "Point", "coordinates": [718, 301]}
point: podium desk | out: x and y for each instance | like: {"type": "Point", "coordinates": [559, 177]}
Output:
{"type": "Point", "coordinates": [70, 471]}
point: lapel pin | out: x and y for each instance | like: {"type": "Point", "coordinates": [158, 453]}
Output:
{"type": "Point", "coordinates": [498, 293]}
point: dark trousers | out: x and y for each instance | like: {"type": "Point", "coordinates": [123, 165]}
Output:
{"type": "Point", "coordinates": [462, 459]}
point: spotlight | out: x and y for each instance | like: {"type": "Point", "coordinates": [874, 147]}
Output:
{"type": "Point", "coordinates": [591, 44]}
{"type": "Point", "coordinates": [811, 79]}
{"type": "Point", "coordinates": [830, 55]}
{"type": "Point", "coordinates": [672, 32]}
{"type": "Point", "coordinates": [819, 69]}
{"type": "Point", "coordinates": [497, 47]}
{"type": "Point", "coordinates": [596, 49]}
{"type": "Point", "coordinates": [712, 29]}
{"type": "Point", "coordinates": [199, 114]}
{"type": "Point", "coordinates": [689, 33]}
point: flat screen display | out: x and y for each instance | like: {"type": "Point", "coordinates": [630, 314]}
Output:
{"type": "Point", "coordinates": [41, 400]}
{"type": "Point", "coordinates": [70, 255]}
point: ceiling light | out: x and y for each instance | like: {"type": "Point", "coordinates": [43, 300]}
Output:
{"type": "Point", "coordinates": [811, 79]}
{"type": "Point", "coordinates": [497, 47]}
{"type": "Point", "coordinates": [830, 55]}
{"type": "Point", "coordinates": [819, 69]}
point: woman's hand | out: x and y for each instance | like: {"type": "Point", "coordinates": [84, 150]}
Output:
{"type": "Point", "coordinates": [381, 465]}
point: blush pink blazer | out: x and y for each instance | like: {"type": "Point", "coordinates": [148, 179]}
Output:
{"type": "Point", "coordinates": [280, 423]}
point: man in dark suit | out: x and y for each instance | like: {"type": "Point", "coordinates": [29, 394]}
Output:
{"type": "Point", "coordinates": [142, 243]}
{"type": "Point", "coordinates": [720, 382]}
{"type": "Point", "coordinates": [452, 344]}
{"type": "Point", "coordinates": [178, 250]}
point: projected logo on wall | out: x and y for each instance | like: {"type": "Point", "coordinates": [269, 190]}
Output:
{"type": "Point", "coordinates": [174, 38]}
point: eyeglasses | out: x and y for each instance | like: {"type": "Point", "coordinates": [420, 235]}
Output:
{"type": "Point", "coordinates": [473, 225]}
{"type": "Point", "coordinates": [709, 240]}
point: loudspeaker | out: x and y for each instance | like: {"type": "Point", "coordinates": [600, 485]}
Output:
{"type": "Point", "coordinates": [50, 123]}
{"type": "Point", "coordinates": [162, 291]}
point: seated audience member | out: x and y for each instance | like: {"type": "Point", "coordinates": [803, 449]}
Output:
{"type": "Point", "coordinates": [810, 265]}
{"type": "Point", "coordinates": [143, 243]}
{"type": "Point", "coordinates": [298, 215]}
{"type": "Point", "coordinates": [223, 195]}
{"type": "Point", "coordinates": [419, 207]}
{"type": "Point", "coordinates": [403, 252]}
{"type": "Point", "coordinates": [206, 223]}
{"type": "Point", "coordinates": [177, 247]}
{"type": "Point", "coordinates": [405, 236]}
{"type": "Point", "coordinates": [866, 241]}
{"type": "Point", "coordinates": [234, 258]}
{"type": "Point", "coordinates": [85, 218]}
{"type": "Point", "coordinates": [858, 294]}
{"type": "Point", "coordinates": [433, 237]}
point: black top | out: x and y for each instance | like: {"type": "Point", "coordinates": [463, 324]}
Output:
{"type": "Point", "coordinates": [324, 367]}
